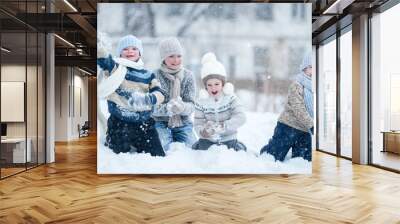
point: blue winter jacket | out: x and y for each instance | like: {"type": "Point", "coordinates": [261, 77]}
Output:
{"type": "Point", "coordinates": [135, 80]}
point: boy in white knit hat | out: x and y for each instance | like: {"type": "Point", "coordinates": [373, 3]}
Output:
{"type": "Point", "coordinates": [173, 116]}
{"type": "Point", "coordinates": [134, 93]}
{"type": "Point", "coordinates": [218, 112]}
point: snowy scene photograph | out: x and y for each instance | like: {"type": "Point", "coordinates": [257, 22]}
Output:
{"type": "Point", "coordinates": [204, 88]}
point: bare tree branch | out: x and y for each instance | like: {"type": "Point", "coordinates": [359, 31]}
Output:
{"type": "Point", "coordinates": [152, 20]}
{"type": "Point", "coordinates": [193, 17]}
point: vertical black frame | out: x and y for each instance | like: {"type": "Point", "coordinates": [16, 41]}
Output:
{"type": "Point", "coordinates": [37, 91]}
{"type": "Point", "coordinates": [369, 78]}
{"type": "Point", "coordinates": [26, 87]}
{"type": "Point", "coordinates": [0, 94]}
{"type": "Point", "coordinates": [316, 97]}
{"type": "Point", "coordinates": [338, 74]}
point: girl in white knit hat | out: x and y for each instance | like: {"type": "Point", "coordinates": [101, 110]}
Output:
{"type": "Point", "coordinates": [172, 117]}
{"type": "Point", "coordinates": [218, 112]}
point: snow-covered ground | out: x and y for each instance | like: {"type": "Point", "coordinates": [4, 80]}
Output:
{"type": "Point", "coordinates": [217, 160]}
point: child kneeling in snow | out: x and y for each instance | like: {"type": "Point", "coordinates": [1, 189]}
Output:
{"type": "Point", "coordinates": [294, 126]}
{"type": "Point", "coordinates": [132, 91]}
{"type": "Point", "coordinates": [218, 113]}
{"type": "Point", "coordinates": [172, 117]}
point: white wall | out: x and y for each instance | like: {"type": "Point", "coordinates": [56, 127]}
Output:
{"type": "Point", "coordinates": [69, 85]}
{"type": "Point", "coordinates": [79, 117]}
{"type": "Point", "coordinates": [61, 103]}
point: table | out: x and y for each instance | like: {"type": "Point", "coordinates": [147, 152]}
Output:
{"type": "Point", "coordinates": [16, 147]}
{"type": "Point", "coordinates": [391, 141]}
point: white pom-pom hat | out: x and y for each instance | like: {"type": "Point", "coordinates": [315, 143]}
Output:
{"type": "Point", "coordinates": [212, 68]}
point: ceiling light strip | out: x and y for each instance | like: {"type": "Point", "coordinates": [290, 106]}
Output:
{"type": "Point", "coordinates": [84, 71]}
{"type": "Point", "coordinates": [70, 5]}
{"type": "Point", "coordinates": [5, 49]}
{"type": "Point", "coordinates": [331, 7]}
{"type": "Point", "coordinates": [64, 40]}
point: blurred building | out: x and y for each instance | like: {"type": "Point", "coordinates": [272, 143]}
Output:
{"type": "Point", "coordinates": [261, 45]}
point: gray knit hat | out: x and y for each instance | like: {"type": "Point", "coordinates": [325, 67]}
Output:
{"type": "Point", "coordinates": [170, 46]}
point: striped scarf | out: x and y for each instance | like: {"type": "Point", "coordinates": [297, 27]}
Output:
{"type": "Point", "coordinates": [306, 82]}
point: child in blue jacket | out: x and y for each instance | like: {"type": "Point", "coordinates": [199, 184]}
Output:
{"type": "Point", "coordinates": [130, 127]}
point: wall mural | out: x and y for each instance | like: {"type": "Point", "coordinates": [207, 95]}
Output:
{"type": "Point", "coordinates": [209, 88]}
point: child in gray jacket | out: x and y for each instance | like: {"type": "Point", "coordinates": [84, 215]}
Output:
{"type": "Point", "coordinates": [172, 117]}
{"type": "Point", "coordinates": [218, 112]}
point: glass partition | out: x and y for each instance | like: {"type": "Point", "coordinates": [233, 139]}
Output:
{"type": "Point", "coordinates": [327, 96]}
{"type": "Point", "coordinates": [385, 89]}
{"type": "Point", "coordinates": [22, 78]}
{"type": "Point", "coordinates": [13, 95]}
{"type": "Point", "coordinates": [346, 94]}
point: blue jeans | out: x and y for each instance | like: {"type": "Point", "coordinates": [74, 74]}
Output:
{"type": "Point", "coordinates": [183, 134]}
{"type": "Point", "coordinates": [286, 137]}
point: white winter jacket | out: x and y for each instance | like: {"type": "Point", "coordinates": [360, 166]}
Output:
{"type": "Point", "coordinates": [227, 110]}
